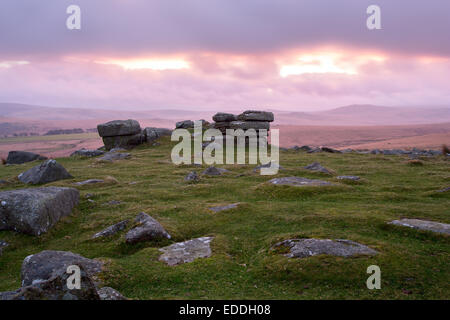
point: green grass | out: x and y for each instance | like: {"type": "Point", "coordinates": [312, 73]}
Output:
{"type": "Point", "coordinates": [56, 137]}
{"type": "Point", "coordinates": [414, 264]}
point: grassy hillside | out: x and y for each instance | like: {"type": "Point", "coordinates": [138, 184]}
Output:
{"type": "Point", "coordinates": [414, 264]}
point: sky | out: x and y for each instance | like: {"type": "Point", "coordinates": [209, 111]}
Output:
{"type": "Point", "coordinates": [229, 54]}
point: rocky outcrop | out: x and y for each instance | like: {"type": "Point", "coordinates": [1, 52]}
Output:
{"type": "Point", "coordinates": [34, 211]}
{"type": "Point", "coordinates": [128, 134]}
{"type": "Point", "coordinates": [257, 120]}
{"type": "Point", "coordinates": [185, 124]}
{"type": "Point", "coordinates": [147, 229]}
{"type": "Point", "coordinates": [46, 172]}
{"type": "Point", "coordinates": [18, 157]}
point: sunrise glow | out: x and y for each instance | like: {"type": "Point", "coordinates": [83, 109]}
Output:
{"type": "Point", "coordinates": [150, 64]}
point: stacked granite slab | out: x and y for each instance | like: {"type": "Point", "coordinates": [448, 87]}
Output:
{"type": "Point", "coordinates": [249, 119]}
{"type": "Point", "coordinates": [127, 134]}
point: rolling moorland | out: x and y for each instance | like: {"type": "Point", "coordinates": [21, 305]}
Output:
{"type": "Point", "coordinates": [414, 264]}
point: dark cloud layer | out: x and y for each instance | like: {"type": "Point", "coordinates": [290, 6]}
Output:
{"type": "Point", "coordinates": [135, 27]}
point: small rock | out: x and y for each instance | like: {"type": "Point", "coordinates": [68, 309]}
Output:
{"type": "Point", "coordinates": [303, 248]}
{"type": "Point", "coordinates": [444, 190]}
{"type": "Point", "coordinates": [213, 171]}
{"type": "Point", "coordinates": [113, 202]}
{"type": "Point", "coordinates": [87, 153]}
{"type": "Point", "coordinates": [111, 230]}
{"type": "Point", "coordinates": [188, 251]}
{"type": "Point", "coordinates": [147, 230]}
{"type": "Point", "coordinates": [271, 164]}
{"type": "Point", "coordinates": [353, 178]}
{"type": "Point", "coordinates": [3, 244]}
{"type": "Point", "coordinates": [107, 293]}
{"type": "Point", "coordinates": [299, 182]}
{"type": "Point", "coordinates": [192, 177]}
{"type": "Point", "coordinates": [90, 181]}
{"type": "Point", "coordinates": [113, 156]}
{"type": "Point", "coordinates": [47, 171]}
{"type": "Point", "coordinates": [423, 225]}
{"type": "Point", "coordinates": [315, 166]}
{"type": "Point", "coordinates": [222, 208]}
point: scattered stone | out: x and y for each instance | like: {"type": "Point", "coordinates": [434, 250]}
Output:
{"type": "Point", "coordinates": [353, 178]}
{"type": "Point", "coordinates": [188, 251]}
{"type": "Point", "coordinates": [47, 171]}
{"type": "Point", "coordinates": [35, 210]}
{"type": "Point", "coordinates": [303, 248]}
{"type": "Point", "coordinates": [315, 150]}
{"type": "Point", "coordinates": [192, 177]}
{"type": "Point", "coordinates": [299, 182]}
{"type": "Point", "coordinates": [185, 124]}
{"type": "Point", "coordinates": [113, 202]}
{"type": "Point", "coordinates": [213, 171]}
{"type": "Point", "coordinates": [271, 164]}
{"type": "Point", "coordinates": [40, 266]}
{"type": "Point", "coordinates": [147, 230]}
{"type": "Point", "coordinates": [330, 150]}
{"type": "Point", "coordinates": [87, 153]}
{"type": "Point", "coordinates": [423, 225]}
{"type": "Point", "coordinates": [113, 156]}
{"type": "Point", "coordinates": [251, 115]}
{"type": "Point", "coordinates": [444, 190]}
{"type": "Point", "coordinates": [107, 293]}
{"type": "Point", "coordinates": [111, 230]}
{"type": "Point", "coordinates": [117, 150]}
{"type": "Point", "coordinates": [90, 181]}
{"type": "Point", "coordinates": [304, 148]}
{"type": "Point", "coordinates": [19, 157]}
{"type": "Point", "coordinates": [3, 182]}
{"type": "Point", "coordinates": [222, 208]}
{"type": "Point", "coordinates": [3, 244]}
{"type": "Point", "coordinates": [315, 166]}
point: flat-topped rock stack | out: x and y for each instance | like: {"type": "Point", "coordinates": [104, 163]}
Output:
{"type": "Point", "coordinates": [127, 134]}
{"type": "Point", "coordinates": [250, 119]}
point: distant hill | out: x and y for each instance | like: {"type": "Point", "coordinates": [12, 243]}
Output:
{"type": "Point", "coordinates": [362, 115]}
{"type": "Point", "coordinates": [354, 115]}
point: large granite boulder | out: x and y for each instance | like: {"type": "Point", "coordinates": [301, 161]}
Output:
{"type": "Point", "coordinates": [185, 124]}
{"type": "Point", "coordinates": [303, 248]}
{"type": "Point", "coordinates": [45, 276]}
{"type": "Point", "coordinates": [252, 115]}
{"type": "Point", "coordinates": [18, 157]}
{"type": "Point", "coordinates": [224, 117]}
{"type": "Point", "coordinates": [147, 229]}
{"type": "Point", "coordinates": [119, 128]}
{"type": "Point", "coordinates": [55, 288]}
{"type": "Point", "coordinates": [47, 171]}
{"type": "Point", "coordinates": [151, 134]}
{"type": "Point", "coordinates": [188, 251]}
{"type": "Point", "coordinates": [127, 141]}
{"type": "Point", "coordinates": [40, 266]}
{"type": "Point", "coordinates": [34, 211]}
